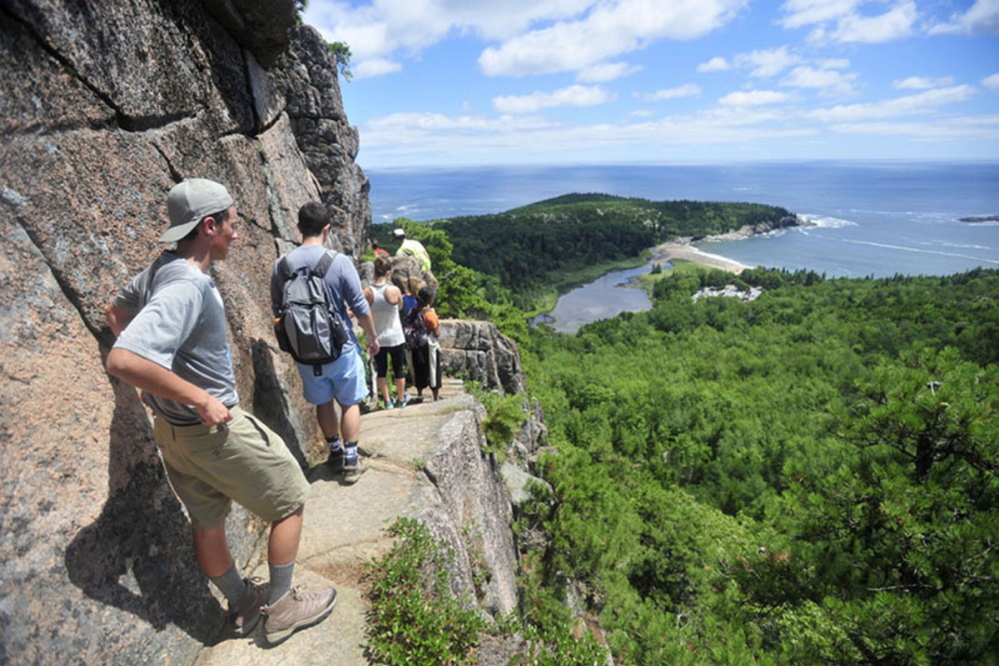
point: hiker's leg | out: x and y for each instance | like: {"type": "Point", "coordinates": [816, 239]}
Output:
{"type": "Point", "coordinates": [350, 422]}
{"type": "Point", "coordinates": [381, 370]}
{"type": "Point", "coordinates": [212, 551]}
{"type": "Point", "coordinates": [326, 415]}
{"type": "Point", "coordinates": [282, 546]}
{"type": "Point", "coordinates": [398, 355]}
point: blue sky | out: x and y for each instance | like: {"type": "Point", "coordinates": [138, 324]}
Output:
{"type": "Point", "coordinates": [497, 82]}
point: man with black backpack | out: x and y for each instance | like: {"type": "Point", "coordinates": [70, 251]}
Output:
{"type": "Point", "coordinates": [338, 375]}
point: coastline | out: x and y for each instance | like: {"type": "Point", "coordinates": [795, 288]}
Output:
{"type": "Point", "coordinates": [684, 251]}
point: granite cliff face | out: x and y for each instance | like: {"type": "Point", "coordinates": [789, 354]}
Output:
{"type": "Point", "coordinates": [103, 107]}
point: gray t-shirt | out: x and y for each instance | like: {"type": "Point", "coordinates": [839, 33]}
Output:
{"type": "Point", "coordinates": [341, 279]}
{"type": "Point", "coordinates": [180, 325]}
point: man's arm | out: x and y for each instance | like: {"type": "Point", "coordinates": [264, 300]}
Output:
{"type": "Point", "coordinates": [152, 378]}
{"type": "Point", "coordinates": [117, 318]}
{"type": "Point", "coordinates": [367, 322]}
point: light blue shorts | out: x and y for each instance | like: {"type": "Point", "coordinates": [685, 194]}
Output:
{"type": "Point", "coordinates": [343, 380]}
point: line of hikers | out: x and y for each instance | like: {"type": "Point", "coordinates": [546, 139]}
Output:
{"type": "Point", "coordinates": [172, 344]}
{"type": "Point", "coordinates": [408, 328]}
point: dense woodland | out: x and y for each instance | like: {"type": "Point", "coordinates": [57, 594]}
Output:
{"type": "Point", "coordinates": [531, 248]}
{"type": "Point", "coordinates": [808, 477]}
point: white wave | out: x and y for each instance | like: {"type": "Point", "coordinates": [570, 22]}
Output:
{"type": "Point", "coordinates": [957, 246]}
{"type": "Point", "coordinates": [938, 253]}
{"type": "Point", "coordinates": [826, 222]}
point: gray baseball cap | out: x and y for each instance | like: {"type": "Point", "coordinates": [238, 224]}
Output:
{"type": "Point", "coordinates": [191, 201]}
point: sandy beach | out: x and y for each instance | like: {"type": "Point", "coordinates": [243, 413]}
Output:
{"type": "Point", "coordinates": [661, 254]}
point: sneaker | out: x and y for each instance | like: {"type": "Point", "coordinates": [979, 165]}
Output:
{"type": "Point", "coordinates": [352, 469]}
{"type": "Point", "coordinates": [296, 610]}
{"type": "Point", "coordinates": [335, 461]}
{"type": "Point", "coordinates": [399, 404]}
{"type": "Point", "coordinates": [246, 614]}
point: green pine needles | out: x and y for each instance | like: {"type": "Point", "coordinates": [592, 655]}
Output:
{"type": "Point", "coordinates": [414, 617]}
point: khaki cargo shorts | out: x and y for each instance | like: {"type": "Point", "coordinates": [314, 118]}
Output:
{"type": "Point", "coordinates": [242, 460]}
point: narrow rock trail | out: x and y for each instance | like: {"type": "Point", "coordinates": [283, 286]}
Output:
{"type": "Point", "coordinates": [344, 528]}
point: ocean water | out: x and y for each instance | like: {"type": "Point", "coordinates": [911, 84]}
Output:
{"type": "Point", "coordinates": [872, 218]}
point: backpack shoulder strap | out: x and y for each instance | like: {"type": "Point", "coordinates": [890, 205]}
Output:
{"type": "Point", "coordinates": [323, 265]}
{"type": "Point", "coordinates": [284, 270]}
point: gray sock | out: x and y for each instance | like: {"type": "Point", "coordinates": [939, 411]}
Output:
{"type": "Point", "coordinates": [280, 580]}
{"type": "Point", "coordinates": [232, 585]}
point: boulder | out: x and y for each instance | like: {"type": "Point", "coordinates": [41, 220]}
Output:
{"type": "Point", "coordinates": [477, 351]}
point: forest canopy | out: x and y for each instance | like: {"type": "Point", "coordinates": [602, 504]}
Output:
{"type": "Point", "coordinates": [528, 249]}
{"type": "Point", "coordinates": [808, 477]}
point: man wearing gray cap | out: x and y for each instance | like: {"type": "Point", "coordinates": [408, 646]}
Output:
{"type": "Point", "coordinates": [173, 345]}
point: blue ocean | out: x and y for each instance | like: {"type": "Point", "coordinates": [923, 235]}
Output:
{"type": "Point", "coordinates": [872, 218]}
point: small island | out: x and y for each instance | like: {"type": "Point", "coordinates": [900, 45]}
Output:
{"type": "Point", "coordinates": [974, 219]}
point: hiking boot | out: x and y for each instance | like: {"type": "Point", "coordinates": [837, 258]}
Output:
{"type": "Point", "coordinates": [352, 469]}
{"type": "Point", "coordinates": [246, 614]}
{"type": "Point", "coordinates": [296, 610]}
{"type": "Point", "coordinates": [335, 461]}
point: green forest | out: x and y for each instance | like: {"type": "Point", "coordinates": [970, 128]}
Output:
{"type": "Point", "coordinates": [553, 244]}
{"type": "Point", "coordinates": [809, 477]}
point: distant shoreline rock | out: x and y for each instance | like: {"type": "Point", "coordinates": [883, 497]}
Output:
{"type": "Point", "coordinates": [972, 219]}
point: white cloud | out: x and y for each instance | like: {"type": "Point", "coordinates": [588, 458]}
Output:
{"type": "Point", "coordinates": [606, 72]}
{"type": "Point", "coordinates": [922, 83]}
{"type": "Point", "coordinates": [843, 20]}
{"type": "Point", "coordinates": [716, 64]}
{"type": "Point", "coordinates": [826, 80]}
{"type": "Point", "coordinates": [983, 128]}
{"type": "Point", "coordinates": [753, 98]}
{"type": "Point", "coordinates": [687, 90]}
{"type": "Point", "coordinates": [394, 29]}
{"type": "Point", "coordinates": [608, 30]}
{"type": "Point", "coordinates": [768, 62]}
{"type": "Point", "coordinates": [400, 124]}
{"type": "Point", "coordinates": [571, 96]}
{"type": "Point", "coordinates": [982, 17]}
{"type": "Point", "coordinates": [418, 138]}
{"type": "Point", "coordinates": [537, 36]}
{"type": "Point", "coordinates": [926, 102]}
{"type": "Point", "coordinates": [366, 69]}
{"type": "Point", "coordinates": [802, 13]}
{"type": "Point", "coordinates": [992, 82]}
{"type": "Point", "coordinates": [834, 63]}
{"type": "Point", "coordinates": [894, 24]}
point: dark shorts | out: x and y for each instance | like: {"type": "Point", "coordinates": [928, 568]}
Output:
{"type": "Point", "coordinates": [398, 354]}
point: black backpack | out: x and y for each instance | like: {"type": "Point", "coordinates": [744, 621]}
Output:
{"type": "Point", "coordinates": [308, 326]}
{"type": "Point", "coordinates": [415, 329]}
